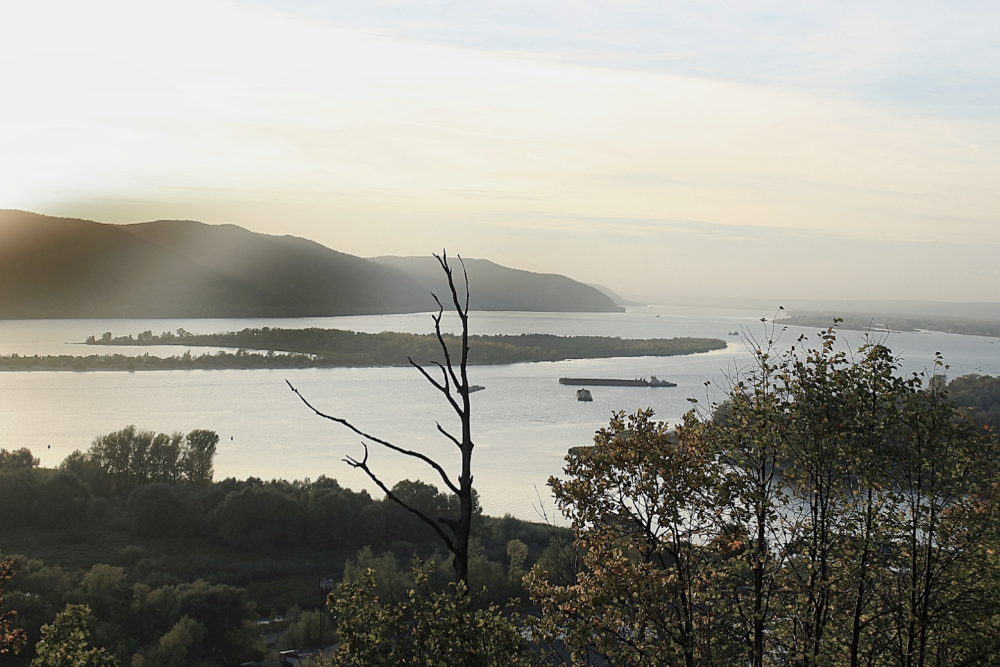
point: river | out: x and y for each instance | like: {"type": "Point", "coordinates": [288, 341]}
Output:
{"type": "Point", "coordinates": [523, 422]}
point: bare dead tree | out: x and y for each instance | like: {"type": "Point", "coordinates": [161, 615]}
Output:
{"type": "Point", "coordinates": [454, 385]}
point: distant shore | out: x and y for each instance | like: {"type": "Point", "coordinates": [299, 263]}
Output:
{"type": "Point", "coordinates": [876, 324]}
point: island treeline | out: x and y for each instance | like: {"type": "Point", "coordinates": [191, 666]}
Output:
{"type": "Point", "coordinates": [334, 347]}
{"type": "Point", "coordinates": [239, 360]}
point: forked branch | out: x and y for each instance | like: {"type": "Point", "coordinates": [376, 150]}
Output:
{"type": "Point", "coordinates": [362, 465]}
{"type": "Point", "coordinates": [451, 383]}
{"type": "Point", "coordinates": [388, 445]}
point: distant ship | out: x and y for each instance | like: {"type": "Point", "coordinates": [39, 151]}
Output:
{"type": "Point", "coordinates": [476, 387]}
{"type": "Point", "coordinates": [609, 382]}
{"type": "Point", "coordinates": [583, 395]}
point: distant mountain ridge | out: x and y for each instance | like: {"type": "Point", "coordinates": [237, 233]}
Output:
{"type": "Point", "coordinates": [65, 268]}
{"type": "Point", "coordinates": [496, 287]}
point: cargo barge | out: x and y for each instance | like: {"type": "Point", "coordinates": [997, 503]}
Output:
{"type": "Point", "coordinates": [610, 382]}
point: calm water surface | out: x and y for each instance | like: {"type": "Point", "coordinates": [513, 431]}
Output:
{"type": "Point", "coordinates": [523, 423]}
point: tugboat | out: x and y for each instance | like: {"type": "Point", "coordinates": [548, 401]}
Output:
{"type": "Point", "coordinates": [583, 395]}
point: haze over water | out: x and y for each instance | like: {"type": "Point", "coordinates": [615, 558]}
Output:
{"type": "Point", "coordinates": [523, 422]}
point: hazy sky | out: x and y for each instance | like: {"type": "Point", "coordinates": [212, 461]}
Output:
{"type": "Point", "coordinates": [788, 149]}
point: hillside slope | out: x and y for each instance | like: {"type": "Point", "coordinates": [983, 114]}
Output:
{"type": "Point", "coordinates": [68, 268]}
{"type": "Point", "coordinates": [496, 287]}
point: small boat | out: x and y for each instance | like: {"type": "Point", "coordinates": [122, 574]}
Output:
{"type": "Point", "coordinates": [734, 333]}
{"type": "Point", "coordinates": [476, 387]}
{"type": "Point", "coordinates": [583, 395]}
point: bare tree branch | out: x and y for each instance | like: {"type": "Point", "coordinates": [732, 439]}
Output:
{"type": "Point", "coordinates": [444, 389]}
{"type": "Point", "coordinates": [437, 325]}
{"type": "Point", "coordinates": [448, 435]}
{"type": "Point", "coordinates": [363, 466]}
{"type": "Point", "coordinates": [452, 383]}
{"type": "Point", "coordinates": [417, 455]}
{"type": "Point", "coordinates": [463, 313]}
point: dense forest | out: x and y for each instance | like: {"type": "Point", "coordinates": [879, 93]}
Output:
{"type": "Point", "coordinates": [135, 525]}
{"type": "Point", "coordinates": [829, 512]}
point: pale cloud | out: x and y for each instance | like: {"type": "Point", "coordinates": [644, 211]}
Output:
{"type": "Point", "coordinates": [397, 129]}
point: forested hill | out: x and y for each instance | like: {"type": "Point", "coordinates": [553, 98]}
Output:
{"type": "Point", "coordinates": [68, 268]}
{"type": "Point", "coordinates": [495, 287]}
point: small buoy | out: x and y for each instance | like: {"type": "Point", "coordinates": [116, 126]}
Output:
{"type": "Point", "coordinates": [230, 437]}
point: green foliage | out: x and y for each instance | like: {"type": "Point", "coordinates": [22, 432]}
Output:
{"type": "Point", "coordinates": [31, 496]}
{"type": "Point", "coordinates": [135, 619]}
{"type": "Point", "coordinates": [197, 456]}
{"type": "Point", "coordinates": [979, 396]}
{"type": "Point", "coordinates": [19, 459]}
{"type": "Point", "coordinates": [640, 502]}
{"type": "Point", "coordinates": [257, 518]}
{"type": "Point", "coordinates": [162, 510]}
{"type": "Point", "coordinates": [11, 639]}
{"type": "Point", "coordinates": [829, 513]}
{"type": "Point", "coordinates": [130, 458]}
{"type": "Point", "coordinates": [429, 629]}
{"type": "Point", "coordinates": [182, 646]}
{"type": "Point", "coordinates": [64, 642]}
{"type": "Point", "coordinates": [303, 630]}
{"type": "Point", "coordinates": [387, 582]}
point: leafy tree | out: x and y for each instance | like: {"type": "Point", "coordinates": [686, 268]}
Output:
{"type": "Point", "coordinates": [430, 628]}
{"type": "Point", "coordinates": [131, 619]}
{"type": "Point", "coordinates": [303, 630]}
{"type": "Point", "coordinates": [180, 647]}
{"type": "Point", "coordinates": [388, 583]}
{"type": "Point", "coordinates": [162, 510]}
{"type": "Point", "coordinates": [830, 512]}
{"type": "Point", "coordinates": [31, 496]}
{"type": "Point", "coordinates": [336, 518]}
{"type": "Point", "coordinates": [197, 456]}
{"type": "Point", "coordinates": [11, 639]}
{"type": "Point", "coordinates": [641, 502]}
{"type": "Point", "coordinates": [64, 642]}
{"type": "Point", "coordinates": [18, 459]}
{"type": "Point", "coordinates": [90, 471]}
{"type": "Point", "coordinates": [979, 395]}
{"type": "Point", "coordinates": [65, 499]}
{"type": "Point", "coordinates": [130, 458]}
{"type": "Point", "coordinates": [254, 518]}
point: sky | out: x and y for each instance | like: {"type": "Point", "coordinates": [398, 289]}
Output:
{"type": "Point", "coordinates": [807, 150]}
